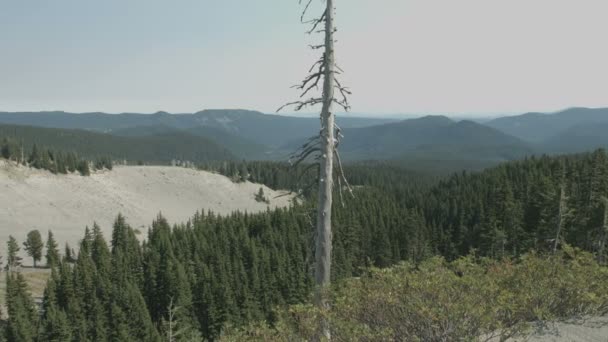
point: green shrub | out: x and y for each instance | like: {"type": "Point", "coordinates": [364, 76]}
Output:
{"type": "Point", "coordinates": [468, 299]}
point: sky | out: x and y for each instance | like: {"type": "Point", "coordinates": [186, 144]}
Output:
{"type": "Point", "coordinates": [465, 57]}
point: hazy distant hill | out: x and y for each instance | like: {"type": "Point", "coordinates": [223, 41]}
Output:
{"type": "Point", "coordinates": [261, 129]}
{"type": "Point", "coordinates": [432, 137]}
{"type": "Point", "coordinates": [160, 148]}
{"type": "Point", "coordinates": [251, 135]}
{"type": "Point", "coordinates": [579, 138]}
{"type": "Point", "coordinates": [537, 127]}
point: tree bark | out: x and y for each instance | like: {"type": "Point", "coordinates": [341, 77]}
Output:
{"type": "Point", "coordinates": [324, 235]}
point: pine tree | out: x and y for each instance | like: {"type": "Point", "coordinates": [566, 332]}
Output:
{"type": "Point", "coordinates": [54, 324]}
{"type": "Point", "coordinates": [126, 252]}
{"type": "Point", "coordinates": [21, 311]}
{"type": "Point", "coordinates": [83, 167]}
{"type": "Point", "coordinates": [260, 197]}
{"type": "Point", "coordinates": [13, 260]}
{"type": "Point", "coordinates": [34, 158]}
{"type": "Point", "coordinates": [34, 245]}
{"type": "Point", "coordinates": [69, 254]}
{"type": "Point", "coordinates": [5, 149]}
{"type": "Point", "coordinates": [100, 253]}
{"type": "Point", "coordinates": [52, 253]}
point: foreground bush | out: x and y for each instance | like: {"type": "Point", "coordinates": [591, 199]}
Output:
{"type": "Point", "coordinates": [468, 299]}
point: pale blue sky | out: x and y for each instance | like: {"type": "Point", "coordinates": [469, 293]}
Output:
{"type": "Point", "coordinates": [401, 56]}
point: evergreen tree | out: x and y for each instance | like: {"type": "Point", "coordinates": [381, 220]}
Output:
{"type": "Point", "coordinates": [34, 245]}
{"type": "Point", "coordinates": [54, 324]}
{"type": "Point", "coordinates": [69, 254]}
{"type": "Point", "coordinates": [13, 259]}
{"type": "Point", "coordinates": [20, 307]}
{"type": "Point", "coordinates": [5, 149]}
{"type": "Point", "coordinates": [100, 253]}
{"type": "Point", "coordinates": [83, 167]}
{"type": "Point", "coordinates": [52, 253]}
{"type": "Point", "coordinates": [260, 197]}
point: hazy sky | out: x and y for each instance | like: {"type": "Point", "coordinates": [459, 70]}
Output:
{"type": "Point", "coordinates": [400, 56]}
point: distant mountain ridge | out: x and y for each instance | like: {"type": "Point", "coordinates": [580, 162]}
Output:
{"type": "Point", "coordinates": [537, 127]}
{"type": "Point", "coordinates": [252, 135]}
{"type": "Point", "coordinates": [262, 129]}
{"type": "Point", "coordinates": [426, 136]}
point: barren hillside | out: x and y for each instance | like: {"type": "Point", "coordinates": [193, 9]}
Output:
{"type": "Point", "coordinates": [36, 199]}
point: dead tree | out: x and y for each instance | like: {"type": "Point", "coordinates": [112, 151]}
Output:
{"type": "Point", "coordinates": [170, 324]}
{"type": "Point", "coordinates": [603, 233]}
{"type": "Point", "coordinates": [324, 146]}
{"type": "Point", "coordinates": [560, 215]}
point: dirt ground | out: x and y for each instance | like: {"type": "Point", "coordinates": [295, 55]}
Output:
{"type": "Point", "coordinates": [594, 329]}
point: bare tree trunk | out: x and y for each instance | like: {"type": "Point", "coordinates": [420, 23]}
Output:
{"type": "Point", "coordinates": [560, 216]}
{"type": "Point", "coordinates": [171, 309]}
{"type": "Point", "coordinates": [324, 147]}
{"type": "Point", "coordinates": [324, 235]}
{"type": "Point", "coordinates": [604, 235]}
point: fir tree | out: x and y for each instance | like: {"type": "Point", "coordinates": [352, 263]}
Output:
{"type": "Point", "coordinates": [83, 167]}
{"type": "Point", "coordinates": [54, 324]}
{"type": "Point", "coordinates": [69, 254]}
{"type": "Point", "coordinates": [52, 253]}
{"type": "Point", "coordinates": [20, 306]}
{"type": "Point", "coordinates": [13, 259]}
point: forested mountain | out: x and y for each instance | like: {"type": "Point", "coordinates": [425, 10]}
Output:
{"type": "Point", "coordinates": [430, 138]}
{"type": "Point", "coordinates": [214, 271]}
{"type": "Point", "coordinates": [537, 127]}
{"type": "Point", "coordinates": [437, 138]}
{"type": "Point", "coordinates": [159, 148]}
{"type": "Point", "coordinates": [516, 207]}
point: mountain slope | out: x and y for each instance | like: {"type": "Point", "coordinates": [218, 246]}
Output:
{"type": "Point", "coordinates": [537, 127]}
{"type": "Point", "coordinates": [579, 138]}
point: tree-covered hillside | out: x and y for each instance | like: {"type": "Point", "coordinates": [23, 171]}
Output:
{"type": "Point", "coordinates": [428, 139]}
{"type": "Point", "coordinates": [159, 148]}
{"type": "Point", "coordinates": [48, 159]}
{"type": "Point", "coordinates": [520, 206]}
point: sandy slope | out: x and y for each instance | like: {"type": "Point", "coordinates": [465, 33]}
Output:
{"type": "Point", "coordinates": [36, 199]}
